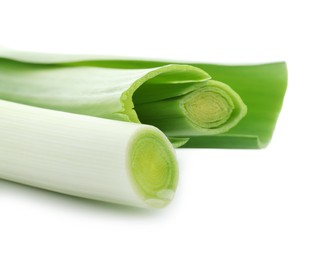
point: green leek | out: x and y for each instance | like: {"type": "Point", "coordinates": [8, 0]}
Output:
{"type": "Point", "coordinates": [195, 106]}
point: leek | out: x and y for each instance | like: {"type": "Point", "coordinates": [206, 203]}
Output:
{"type": "Point", "coordinates": [194, 107]}
{"type": "Point", "coordinates": [85, 156]}
{"type": "Point", "coordinates": [172, 95]}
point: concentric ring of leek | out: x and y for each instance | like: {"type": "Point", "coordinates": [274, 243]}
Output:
{"type": "Point", "coordinates": [215, 107]}
{"type": "Point", "coordinates": [154, 168]}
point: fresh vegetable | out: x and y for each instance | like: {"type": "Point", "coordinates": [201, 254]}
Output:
{"type": "Point", "coordinates": [181, 100]}
{"type": "Point", "coordinates": [192, 109]}
{"type": "Point", "coordinates": [85, 156]}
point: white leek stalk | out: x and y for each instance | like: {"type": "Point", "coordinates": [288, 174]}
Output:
{"type": "Point", "coordinates": [84, 156]}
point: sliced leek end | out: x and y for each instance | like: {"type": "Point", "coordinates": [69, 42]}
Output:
{"type": "Point", "coordinates": [154, 169]}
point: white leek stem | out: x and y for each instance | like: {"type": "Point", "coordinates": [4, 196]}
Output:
{"type": "Point", "coordinates": [85, 156]}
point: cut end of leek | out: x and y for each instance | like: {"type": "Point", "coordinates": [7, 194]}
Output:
{"type": "Point", "coordinates": [214, 109]}
{"type": "Point", "coordinates": [209, 108]}
{"type": "Point", "coordinates": [153, 168]}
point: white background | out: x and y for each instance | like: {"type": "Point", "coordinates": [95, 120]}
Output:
{"type": "Point", "coordinates": [276, 203]}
